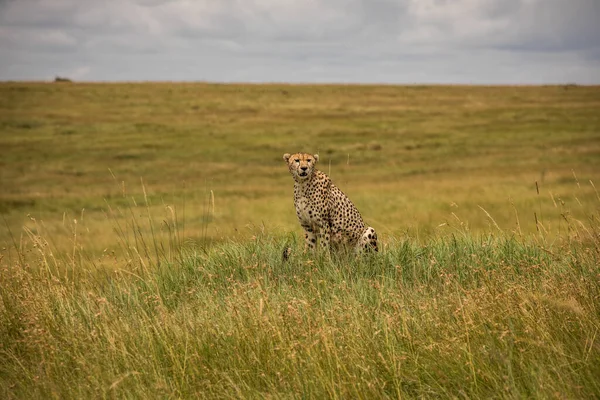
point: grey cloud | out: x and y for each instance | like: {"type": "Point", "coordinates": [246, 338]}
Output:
{"type": "Point", "coordinates": [555, 25]}
{"type": "Point", "coordinates": [262, 40]}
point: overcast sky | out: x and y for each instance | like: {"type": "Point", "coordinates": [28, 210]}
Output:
{"type": "Point", "coordinates": [370, 41]}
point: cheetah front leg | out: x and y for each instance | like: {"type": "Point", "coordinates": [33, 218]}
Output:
{"type": "Point", "coordinates": [324, 236]}
{"type": "Point", "coordinates": [310, 238]}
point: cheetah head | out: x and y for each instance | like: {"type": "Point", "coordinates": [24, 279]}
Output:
{"type": "Point", "coordinates": [301, 165]}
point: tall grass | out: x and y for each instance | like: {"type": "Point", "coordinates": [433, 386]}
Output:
{"type": "Point", "coordinates": [495, 315]}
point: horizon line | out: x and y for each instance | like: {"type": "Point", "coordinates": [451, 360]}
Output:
{"type": "Point", "coordinates": [65, 80]}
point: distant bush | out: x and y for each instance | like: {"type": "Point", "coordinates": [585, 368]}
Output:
{"type": "Point", "coordinates": [61, 79]}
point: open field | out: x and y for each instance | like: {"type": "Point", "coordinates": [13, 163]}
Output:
{"type": "Point", "coordinates": [414, 159]}
{"type": "Point", "coordinates": [144, 226]}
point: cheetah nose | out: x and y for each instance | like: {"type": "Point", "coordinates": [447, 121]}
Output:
{"type": "Point", "coordinates": [303, 168]}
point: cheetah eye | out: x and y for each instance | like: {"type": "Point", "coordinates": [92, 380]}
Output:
{"type": "Point", "coordinates": [297, 160]}
{"type": "Point", "coordinates": [309, 160]}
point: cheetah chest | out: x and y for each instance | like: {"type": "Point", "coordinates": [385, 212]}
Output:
{"type": "Point", "coordinates": [305, 210]}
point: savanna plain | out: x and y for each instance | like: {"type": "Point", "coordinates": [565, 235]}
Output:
{"type": "Point", "coordinates": [143, 227]}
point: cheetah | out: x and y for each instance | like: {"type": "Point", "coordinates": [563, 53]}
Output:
{"type": "Point", "coordinates": [325, 213]}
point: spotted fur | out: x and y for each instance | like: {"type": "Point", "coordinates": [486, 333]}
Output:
{"type": "Point", "coordinates": [326, 214]}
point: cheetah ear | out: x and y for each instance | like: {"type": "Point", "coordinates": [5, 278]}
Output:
{"type": "Point", "coordinates": [286, 157]}
{"type": "Point", "coordinates": [316, 156]}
